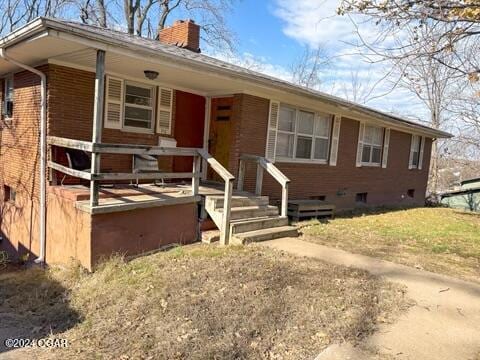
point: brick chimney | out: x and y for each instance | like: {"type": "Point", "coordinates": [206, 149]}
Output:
{"type": "Point", "coordinates": [183, 33]}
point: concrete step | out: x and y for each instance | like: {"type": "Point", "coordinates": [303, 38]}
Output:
{"type": "Point", "coordinates": [210, 236]}
{"type": "Point", "coordinates": [264, 234]}
{"type": "Point", "coordinates": [241, 226]}
{"type": "Point", "coordinates": [250, 212]}
{"type": "Point", "coordinates": [216, 202]}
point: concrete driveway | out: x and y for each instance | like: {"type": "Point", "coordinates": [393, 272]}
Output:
{"type": "Point", "coordinates": [444, 323]}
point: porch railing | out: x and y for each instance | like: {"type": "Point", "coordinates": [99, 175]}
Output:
{"type": "Point", "coordinates": [105, 148]}
{"type": "Point", "coordinates": [227, 200]}
{"type": "Point", "coordinates": [264, 165]}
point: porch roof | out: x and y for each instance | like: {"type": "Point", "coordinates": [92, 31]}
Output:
{"type": "Point", "coordinates": [70, 42]}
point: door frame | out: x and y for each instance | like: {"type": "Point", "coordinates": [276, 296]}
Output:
{"type": "Point", "coordinates": [206, 129]}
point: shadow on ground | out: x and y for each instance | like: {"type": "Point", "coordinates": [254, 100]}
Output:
{"type": "Point", "coordinates": [33, 306]}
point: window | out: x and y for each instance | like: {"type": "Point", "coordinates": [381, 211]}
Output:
{"type": "Point", "coordinates": [9, 195]}
{"type": "Point", "coordinates": [132, 106]}
{"type": "Point", "coordinates": [361, 198]}
{"type": "Point", "coordinates": [139, 106]}
{"type": "Point", "coordinates": [8, 97]}
{"type": "Point", "coordinates": [416, 142]}
{"type": "Point", "coordinates": [372, 146]}
{"type": "Point", "coordinates": [302, 134]}
{"type": "Point", "coordinates": [411, 193]}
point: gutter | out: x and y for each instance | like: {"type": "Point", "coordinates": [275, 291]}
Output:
{"type": "Point", "coordinates": [43, 148]}
{"type": "Point", "coordinates": [259, 79]}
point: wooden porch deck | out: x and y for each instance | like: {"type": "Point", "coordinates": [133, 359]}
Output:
{"type": "Point", "coordinates": [123, 197]}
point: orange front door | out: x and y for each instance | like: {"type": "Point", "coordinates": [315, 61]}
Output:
{"type": "Point", "coordinates": [221, 130]}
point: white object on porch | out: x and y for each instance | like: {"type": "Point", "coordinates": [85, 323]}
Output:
{"type": "Point", "coordinates": [167, 142]}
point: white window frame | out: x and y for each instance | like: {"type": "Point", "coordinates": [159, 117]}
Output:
{"type": "Point", "coordinates": [419, 151]}
{"type": "Point", "coordinates": [283, 158]}
{"type": "Point", "coordinates": [153, 89]}
{"type": "Point", "coordinates": [6, 79]}
{"type": "Point", "coordinates": [313, 136]}
{"type": "Point", "coordinates": [372, 145]}
{"type": "Point", "coordinates": [416, 150]}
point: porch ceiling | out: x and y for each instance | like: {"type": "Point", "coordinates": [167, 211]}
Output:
{"type": "Point", "coordinates": [170, 74]}
{"type": "Point", "coordinates": [35, 50]}
{"type": "Point", "coordinates": [69, 52]}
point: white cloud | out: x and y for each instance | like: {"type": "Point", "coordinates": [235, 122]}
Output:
{"type": "Point", "coordinates": [255, 63]}
{"type": "Point", "coordinates": [316, 23]}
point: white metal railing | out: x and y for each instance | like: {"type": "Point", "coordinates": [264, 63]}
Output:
{"type": "Point", "coordinates": [264, 165]}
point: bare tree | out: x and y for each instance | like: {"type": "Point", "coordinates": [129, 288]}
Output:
{"type": "Point", "coordinates": [140, 17]}
{"type": "Point", "coordinates": [94, 12]}
{"type": "Point", "coordinates": [142, 13]}
{"type": "Point", "coordinates": [431, 81]}
{"type": "Point", "coordinates": [130, 8]}
{"type": "Point", "coordinates": [166, 7]}
{"type": "Point", "coordinates": [306, 70]}
{"type": "Point", "coordinates": [456, 25]}
{"type": "Point", "coordinates": [359, 89]}
{"type": "Point", "coordinates": [431, 47]}
{"type": "Point", "coordinates": [18, 12]}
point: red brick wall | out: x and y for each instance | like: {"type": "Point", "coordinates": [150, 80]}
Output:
{"type": "Point", "coordinates": [142, 230]}
{"type": "Point", "coordinates": [19, 166]}
{"type": "Point", "coordinates": [70, 115]}
{"type": "Point", "coordinates": [338, 183]}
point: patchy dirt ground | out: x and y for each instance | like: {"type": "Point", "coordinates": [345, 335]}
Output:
{"type": "Point", "coordinates": [435, 239]}
{"type": "Point", "coordinates": [199, 302]}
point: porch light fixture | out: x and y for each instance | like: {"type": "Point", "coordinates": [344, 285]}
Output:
{"type": "Point", "coordinates": [150, 74]}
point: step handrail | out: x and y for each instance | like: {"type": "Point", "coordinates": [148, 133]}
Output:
{"type": "Point", "coordinates": [269, 167]}
{"type": "Point", "coordinates": [227, 201]}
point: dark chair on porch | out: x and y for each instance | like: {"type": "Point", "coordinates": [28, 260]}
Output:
{"type": "Point", "coordinates": [77, 160]}
{"type": "Point", "coordinates": [146, 164]}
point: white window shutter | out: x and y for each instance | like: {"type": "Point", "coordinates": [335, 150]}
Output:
{"type": "Point", "coordinates": [361, 132]}
{"type": "Point", "coordinates": [164, 113]}
{"type": "Point", "coordinates": [412, 146]}
{"type": "Point", "coordinates": [386, 144]}
{"type": "Point", "coordinates": [420, 156]}
{"type": "Point", "coordinates": [113, 103]}
{"type": "Point", "coordinates": [337, 121]}
{"type": "Point", "coordinates": [273, 116]}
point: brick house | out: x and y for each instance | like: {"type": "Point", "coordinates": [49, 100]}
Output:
{"type": "Point", "coordinates": [211, 125]}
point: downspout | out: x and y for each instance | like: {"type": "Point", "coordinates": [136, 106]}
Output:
{"type": "Point", "coordinates": [43, 148]}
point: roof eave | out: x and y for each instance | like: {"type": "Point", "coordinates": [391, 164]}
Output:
{"type": "Point", "coordinates": [23, 32]}
{"type": "Point", "coordinates": [45, 23]}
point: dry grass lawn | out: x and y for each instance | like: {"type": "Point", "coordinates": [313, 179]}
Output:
{"type": "Point", "coordinates": [197, 302]}
{"type": "Point", "coordinates": [435, 239]}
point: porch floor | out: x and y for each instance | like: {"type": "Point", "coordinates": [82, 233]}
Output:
{"type": "Point", "coordinates": [122, 197]}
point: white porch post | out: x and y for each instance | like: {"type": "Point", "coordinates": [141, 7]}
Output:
{"type": "Point", "coordinates": [206, 133]}
{"type": "Point", "coordinates": [97, 123]}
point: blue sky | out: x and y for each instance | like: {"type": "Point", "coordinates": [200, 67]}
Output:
{"type": "Point", "coordinates": [261, 32]}
{"type": "Point", "coordinates": [273, 33]}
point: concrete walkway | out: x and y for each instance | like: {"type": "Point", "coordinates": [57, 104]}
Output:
{"type": "Point", "coordinates": [444, 323]}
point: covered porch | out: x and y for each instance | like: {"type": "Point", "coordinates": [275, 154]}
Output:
{"type": "Point", "coordinates": [106, 192]}
{"type": "Point", "coordinates": [93, 220]}
{"type": "Point", "coordinates": [103, 210]}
